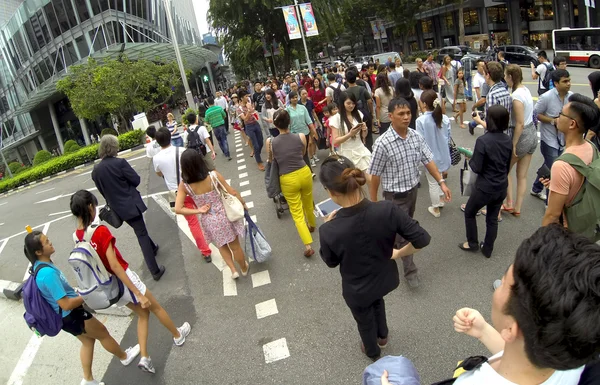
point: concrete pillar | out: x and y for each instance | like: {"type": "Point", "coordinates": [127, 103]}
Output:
{"type": "Point", "coordinates": [514, 22]}
{"type": "Point", "coordinates": [59, 138]}
{"type": "Point", "coordinates": [85, 132]}
{"type": "Point", "coordinates": [19, 158]}
{"type": "Point", "coordinates": [483, 20]}
{"type": "Point", "coordinates": [42, 142]}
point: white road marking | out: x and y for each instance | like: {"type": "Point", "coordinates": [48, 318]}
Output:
{"type": "Point", "coordinates": [241, 160]}
{"type": "Point", "coordinates": [238, 140]}
{"type": "Point", "coordinates": [139, 157]}
{"type": "Point", "coordinates": [62, 196]}
{"type": "Point", "coordinates": [85, 173]}
{"type": "Point", "coordinates": [25, 361]}
{"type": "Point", "coordinates": [238, 145]}
{"type": "Point", "coordinates": [228, 181]}
{"type": "Point", "coordinates": [243, 175]}
{"type": "Point", "coordinates": [2, 204]}
{"type": "Point", "coordinates": [2, 245]}
{"type": "Point", "coordinates": [1, 224]}
{"type": "Point", "coordinates": [229, 285]}
{"type": "Point", "coordinates": [265, 309]}
{"type": "Point", "coordinates": [250, 205]}
{"type": "Point", "coordinates": [253, 217]}
{"type": "Point", "coordinates": [260, 279]}
{"type": "Point", "coordinates": [241, 154]}
{"type": "Point", "coordinates": [41, 192]}
{"type": "Point", "coordinates": [246, 193]}
{"type": "Point", "coordinates": [244, 183]}
{"type": "Point", "coordinates": [242, 167]}
{"type": "Point", "coordinates": [59, 213]}
{"type": "Point", "coordinates": [276, 350]}
{"type": "Point", "coordinates": [239, 149]}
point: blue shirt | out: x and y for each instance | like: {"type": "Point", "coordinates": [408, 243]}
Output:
{"type": "Point", "coordinates": [549, 104]}
{"type": "Point", "coordinates": [437, 139]}
{"type": "Point", "coordinates": [54, 286]}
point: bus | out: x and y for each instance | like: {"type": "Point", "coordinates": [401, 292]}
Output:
{"type": "Point", "coordinates": [578, 45]}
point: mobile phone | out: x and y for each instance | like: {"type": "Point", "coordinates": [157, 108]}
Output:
{"type": "Point", "coordinates": [474, 114]}
{"type": "Point", "coordinates": [543, 172]}
{"type": "Point", "coordinates": [326, 207]}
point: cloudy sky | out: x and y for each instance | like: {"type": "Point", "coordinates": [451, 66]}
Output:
{"type": "Point", "coordinates": [201, 8]}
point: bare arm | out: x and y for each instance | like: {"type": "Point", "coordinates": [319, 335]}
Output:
{"type": "Point", "coordinates": [116, 267]}
{"type": "Point", "coordinates": [337, 139]}
{"type": "Point", "coordinates": [374, 187]}
{"type": "Point", "coordinates": [67, 303]}
{"type": "Point", "coordinates": [378, 104]}
{"type": "Point", "coordinates": [433, 170]}
{"type": "Point", "coordinates": [534, 74]}
{"type": "Point", "coordinates": [180, 200]}
{"type": "Point", "coordinates": [556, 203]}
{"type": "Point", "coordinates": [519, 111]}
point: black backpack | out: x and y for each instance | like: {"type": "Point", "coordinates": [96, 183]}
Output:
{"type": "Point", "coordinates": [194, 140]}
{"type": "Point", "coordinates": [546, 80]}
{"type": "Point", "coordinates": [336, 93]}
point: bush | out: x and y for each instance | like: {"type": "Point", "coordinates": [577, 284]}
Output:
{"type": "Point", "coordinates": [41, 157]}
{"type": "Point", "coordinates": [15, 167]}
{"type": "Point", "coordinates": [71, 146]}
{"type": "Point", "coordinates": [185, 114]}
{"type": "Point", "coordinates": [109, 131]}
{"type": "Point", "coordinates": [131, 139]}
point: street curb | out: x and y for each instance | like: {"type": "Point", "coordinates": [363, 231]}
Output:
{"type": "Point", "coordinates": [11, 290]}
{"type": "Point", "coordinates": [22, 187]}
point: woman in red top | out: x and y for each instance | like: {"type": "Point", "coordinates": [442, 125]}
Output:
{"type": "Point", "coordinates": [317, 95]}
{"type": "Point", "coordinates": [137, 298]}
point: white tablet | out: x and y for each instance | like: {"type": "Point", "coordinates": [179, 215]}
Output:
{"type": "Point", "coordinates": [327, 207]}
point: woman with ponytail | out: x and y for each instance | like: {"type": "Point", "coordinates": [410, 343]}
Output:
{"type": "Point", "coordinates": [360, 238]}
{"type": "Point", "coordinates": [434, 126]}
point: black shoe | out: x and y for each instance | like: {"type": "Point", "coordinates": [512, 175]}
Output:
{"type": "Point", "coordinates": [156, 250]}
{"type": "Point", "coordinates": [471, 130]}
{"type": "Point", "coordinates": [207, 258]}
{"type": "Point", "coordinates": [161, 271]}
{"type": "Point", "coordinates": [485, 253]}
{"type": "Point", "coordinates": [471, 249]}
{"type": "Point", "coordinates": [228, 157]}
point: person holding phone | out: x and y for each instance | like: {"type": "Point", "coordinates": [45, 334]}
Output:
{"type": "Point", "coordinates": [360, 239]}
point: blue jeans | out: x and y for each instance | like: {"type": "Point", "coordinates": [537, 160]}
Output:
{"type": "Point", "coordinates": [254, 132]}
{"type": "Point", "coordinates": [469, 87]}
{"type": "Point", "coordinates": [221, 134]}
{"type": "Point", "coordinates": [177, 142]}
{"type": "Point", "coordinates": [550, 154]}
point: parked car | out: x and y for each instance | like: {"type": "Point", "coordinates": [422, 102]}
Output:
{"type": "Point", "coordinates": [458, 51]}
{"type": "Point", "coordinates": [519, 54]}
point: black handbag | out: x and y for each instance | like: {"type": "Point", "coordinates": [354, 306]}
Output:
{"type": "Point", "coordinates": [455, 156]}
{"type": "Point", "coordinates": [109, 216]}
{"type": "Point", "coordinates": [272, 175]}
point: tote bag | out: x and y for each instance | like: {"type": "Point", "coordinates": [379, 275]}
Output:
{"type": "Point", "coordinates": [467, 180]}
{"type": "Point", "coordinates": [233, 207]}
{"type": "Point", "coordinates": [272, 175]}
{"type": "Point", "coordinates": [255, 243]}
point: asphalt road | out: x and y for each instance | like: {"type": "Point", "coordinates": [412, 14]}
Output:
{"type": "Point", "coordinates": [227, 343]}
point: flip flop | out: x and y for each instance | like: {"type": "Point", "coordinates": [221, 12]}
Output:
{"type": "Point", "coordinates": [507, 209]}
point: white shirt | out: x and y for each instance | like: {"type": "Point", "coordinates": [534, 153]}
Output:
{"type": "Point", "coordinates": [165, 163]}
{"type": "Point", "coordinates": [478, 80]}
{"type": "Point", "coordinates": [203, 133]}
{"type": "Point", "coordinates": [541, 71]}
{"type": "Point", "coordinates": [523, 95]}
{"type": "Point", "coordinates": [221, 102]}
{"type": "Point", "coordinates": [152, 149]}
{"type": "Point", "coordinates": [485, 374]}
{"type": "Point", "coordinates": [329, 92]}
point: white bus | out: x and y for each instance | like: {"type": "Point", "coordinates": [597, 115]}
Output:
{"type": "Point", "coordinates": [578, 45]}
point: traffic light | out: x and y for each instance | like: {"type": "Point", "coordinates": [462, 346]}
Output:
{"type": "Point", "coordinates": [205, 78]}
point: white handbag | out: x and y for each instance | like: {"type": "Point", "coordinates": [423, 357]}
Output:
{"type": "Point", "coordinates": [467, 180]}
{"type": "Point", "coordinates": [233, 207]}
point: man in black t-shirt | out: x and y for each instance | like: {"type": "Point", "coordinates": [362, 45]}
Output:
{"type": "Point", "coordinates": [258, 99]}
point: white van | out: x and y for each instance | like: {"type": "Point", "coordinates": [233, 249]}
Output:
{"type": "Point", "coordinates": [383, 57]}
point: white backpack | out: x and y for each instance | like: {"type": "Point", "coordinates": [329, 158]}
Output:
{"type": "Point", "coordinates": [96, 285]}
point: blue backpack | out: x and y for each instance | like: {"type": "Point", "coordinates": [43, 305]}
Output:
{"type": "Point", "coordinates": [39, 314]}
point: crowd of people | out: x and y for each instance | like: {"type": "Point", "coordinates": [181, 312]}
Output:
{"type": "Point", "coordinates": [383, 127]}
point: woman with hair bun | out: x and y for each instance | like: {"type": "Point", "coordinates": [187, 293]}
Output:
{"type": "Point", "coordinates": [360, 238]}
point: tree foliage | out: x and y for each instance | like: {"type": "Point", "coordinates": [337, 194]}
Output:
{"type": "Point", "coordinates": [121, 87]}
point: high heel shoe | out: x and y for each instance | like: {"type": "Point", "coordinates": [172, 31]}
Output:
{"type": "Point", "coordinates": [309, 253]}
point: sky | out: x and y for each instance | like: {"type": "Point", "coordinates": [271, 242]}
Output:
{"type": "Point", "coordinates": [201, 8]}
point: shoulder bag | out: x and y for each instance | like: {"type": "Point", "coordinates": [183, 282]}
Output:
{"type": "Point", "coordinates": [467, 180]}
{"type": "Point", "coordinates": [272, 175]}
{"type": "Point", "coordinates": [234, 209]}
{"type": "Point", "coordinates": [109, 216]}
{"type": "Point", "coordinates": [455, 156]}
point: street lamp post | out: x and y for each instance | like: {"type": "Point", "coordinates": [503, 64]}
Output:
{"type": "Point", "coordinates": [188, 93]}
{"type": "Point", "coordinates": [297, 8]}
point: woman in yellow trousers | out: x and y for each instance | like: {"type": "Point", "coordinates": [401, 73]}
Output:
{"type": "Point", "coordinates": [294, 176]}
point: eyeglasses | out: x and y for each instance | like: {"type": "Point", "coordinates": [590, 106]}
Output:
{"type": "Point", "coordinates": [567, 116]}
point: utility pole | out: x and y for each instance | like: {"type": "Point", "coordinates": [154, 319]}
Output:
{"type": "Point", "coordinates": [188, 93]}
{"type": "Point", "coordinates": [297, 8]}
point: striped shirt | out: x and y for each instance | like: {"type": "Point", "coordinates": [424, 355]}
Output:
{"type": "Point", "coordinates": [396, 160]}
{"type": "Point", "coordinates": [215, 116]}
{"type": "Point", "coordinates": [498, 94]}
{"type": "Point", "coordinates": [172, 126]}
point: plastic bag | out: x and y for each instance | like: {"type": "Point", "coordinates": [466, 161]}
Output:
{"type": "Point", "coordinates": [255, 243]}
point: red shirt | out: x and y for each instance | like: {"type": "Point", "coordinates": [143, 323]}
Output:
{"type": "Point", "coordinates": [306, 83]}
{"type": "Point", "coordinates": [316, 96]}
{"type": "Point", "coordinates": [100, 240]}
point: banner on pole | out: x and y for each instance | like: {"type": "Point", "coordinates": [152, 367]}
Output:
{"type": "Point", "coordinates": [375, 30]}
{"type": "Point", "coordinates": [276, 48]}
{"type": "Point", "coordinates": [266, 48]}
{"type": "Point", "coordinates": [291, 22]}
{"type": "Point", "coordinates": [308, 16]}
{"type": "Point", "coordinates": [381, 27]}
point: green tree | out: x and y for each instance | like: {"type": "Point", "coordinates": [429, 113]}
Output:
{"type": "Point", "coordinates": [121, 87]}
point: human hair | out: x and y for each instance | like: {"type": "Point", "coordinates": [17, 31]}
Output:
{"type": "Point", "coordinates": [340, 175]}
{"type": "Point", "coordinates": [406, 73]}
{"type": "Point", "coordinates": [241, 93]}
{"type": "Point", "coordinates": [382, 81]}
{"type": "Point", "coordinates": [332, 106]}
{"type": "Point", "coordinates": [170, 115]}
{"type": "Point", "coordinates": [193, 166]}
{"type": "Point", "coordinates": [558, 74]}
{"type": "Point", "coordinates": [163, 137]}
{"type": "Point", "coordinates": [497, 118]}
{"type": "Point", "coordinates": [316, 79]}
{"type": "Point", "coordinates": [402, 89]}
{"type": "Point", "coordinates": [445, 59]}
{"type": "Point", "coordinates": [210, 100]}
{"type": "Point", "coordinates": [429, 97]}
{"type": "Point", "coordinates": [586, 110]}
{"type": "Point", "coordinates": [542, 54]}
{"type": "Point", "coordinates": [426, 83]}
{"type": "Point", "coordinates": [80, 206]}
{"type": "Point", "coordinates": [33, 243]}
{"type": "Point", "coordinates": [392, 65]}
{"type": "Point", "coordinates": [414, 79]}
{"type": "Point", "coordinates": [293, 94]}
{"type": "Point", "coordinates": [500, 54]}
{"type": "Point", "coordinates": [397, 102]}
{"type": "Point", "coordinates": [191, 118]}
{"type": "Point", "coordinates": [371, 65]}
{"type": "Point", "coordinates": [274, 102]}
{"type": "Point", "coordinates": [257, 82]}
{"type": "Point", "coordinates": [331, 76]}
{"type": "Point", "coordinates": [345, 95]}
{"type": "Point", "coordinates": [559, 59]}
{"type": "Point", "coordinates": [281, 119]}
{"type": "Point", "coordinates": [594, 79]}
{"type": "Point", "coordinates": [495, 70]}
{"type": "Point", "coordinates": [351, 76]}
{"type": "Point", "coordinates": [381, 68]}
{"type": "Point", "coordinates": [151, 131]}
{"type": "Point", "coordinates": [109, 146]}
{"type": "Point", "coordinates": [555, 298]}
{"type": "Point", "coordinates": [516, 74]}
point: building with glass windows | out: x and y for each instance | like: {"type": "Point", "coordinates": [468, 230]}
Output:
{"type": "Point", "coordinates": [43, 38]}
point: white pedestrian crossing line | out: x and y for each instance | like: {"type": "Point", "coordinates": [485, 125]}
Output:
{"type": "Point", "coordinates": [41, 192]}
{"type": "Point", "coordinates": [243, 175]}
{"type": "Point", "coordinates": [242, 167]}
{"type": "Point", "coordinates": [276, 350]}
{"type": "Point", "coordinates": [2, 204]}
{"type": "Point", "coordinates": [25, 361]}
{"type": "Point", "coordinates": [228, 181]}
{"type": "Point", "coordinates": [240, 155]}
{"type": "Point", "coordinates": [246, 193]}
{"type": "Point", "coordinates": [241, 160]}
{"type": "Point", "coordinates": [2, 245]}
{"type": "Point", "coordinates": [265, 309]}
{"type": "Point", "coordinates": [253, 217]}
{"type": "Point", "coordinates": [244, 183]}
{"type": "Point", "coordinates": [238, 145]}
{"type": "Point", "coordinates": [250, 205]}
{"type": "Point", "coordinates": [229, 285]}
{"type": "Point", "coordinates": [59, 213]}
{"type": "Point", "coordinates": [260, 279]}
{"type": "Point", "coordinates": [239, 150]}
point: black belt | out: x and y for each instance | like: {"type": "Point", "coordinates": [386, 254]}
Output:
{"type": "Point", "coordinates": [399, 195]}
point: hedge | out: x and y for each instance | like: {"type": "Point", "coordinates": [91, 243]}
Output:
{"type": "Point", "coordinates": [109, 131]}
{"type": "Point", "coordinates": [68, 161]}
{"type": "Point", "coordinates": [41, 157]}
{"type": "Point", "coordinates": [71, 146]}
{"type": "Point", "coordinates": [15, 167]}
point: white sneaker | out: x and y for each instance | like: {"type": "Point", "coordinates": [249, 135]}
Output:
{"type": "Point", "coordinates": [145, 365]}
{"type": "Point", "coordinates": [316, 159]}
{"type": "Point", "coordinates": [431, 210]}
{"type": "Point", "coordinates": [235, 275]}
{"type": "Point", "coordinates": [132, 352]}
{"type": "Point", "coordinates": [93, 382]}
{"type": "Point", "coordinates": [540, 195]}
{"type": "Point", "coordinates": [184, 330]}
{"type": "Point", "coordinates": [312, 163]}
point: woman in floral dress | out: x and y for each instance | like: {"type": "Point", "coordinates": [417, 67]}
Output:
{"type": "Point", "coordinates": [203, 187]}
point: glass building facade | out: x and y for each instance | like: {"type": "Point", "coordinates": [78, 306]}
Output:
{"type": "Point", "coordinates": [44, 37]}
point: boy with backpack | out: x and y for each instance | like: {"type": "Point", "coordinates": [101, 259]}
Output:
{"type": "Point", "coordinates": [199, 139]}
{"type": "Point", "coordinates": [574, 181]}
{"type": "Point", "coordinates": [334, 89]}
{"type": "Point", "coordinates": [52, 305]}
{"type": "Point", "coordinates": [542, 73]}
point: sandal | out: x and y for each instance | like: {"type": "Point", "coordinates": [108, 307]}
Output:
{"type": "Point", "coordinates": [462, 208]}
{"type": "Point", "coordinates": [309, 253]}
{"type": "Point", "coordinates": [484, 212]}
{"type": "Point", "coordinates": [516, 214]}
{"type": "Point", "coordinates": [507, 209]}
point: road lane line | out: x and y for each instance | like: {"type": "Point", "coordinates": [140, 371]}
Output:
{"type": "Point", "coordinates": [241, 160]}
{"type": "Point", "coordinates": [25, 361]}
{"type": "Point", "coordinates": [2, 245]}
{"type": "Point", "coordinates": [59, 213]}
{"type": "Point", "coordinates": [276, 350]}
{"type": "Point", "coordinates": [41, 192]}
{"type": "Point", "coordinates": [246, 193]}
{"type": "Point", "coordinates": [242, 167]}
{"type": "Point", "coordinates": [228, 181]}
{"type": "Point", "coordinates": [243, 175]}
{"type": "Point", "coordinates": [250, 205]}
{"type": "Point", "coordinates": [2, 204]}
{"type": "Point", "coordinates": [260, 279]}
{"type": "Point", "coordinates": [244, 183]}
{"type": "Point", "coordinates": [265, 309]}
{"type": "Point", "coordinates": [85, 173]}
{"type": "Point", "coordinates": [1, 224]}
{"type": "Point", "coordinates": [139, 157]}
{"type": "Point", "coordinates": [229, 285]}
{"type": "Point", "coordinates": [241, 154]}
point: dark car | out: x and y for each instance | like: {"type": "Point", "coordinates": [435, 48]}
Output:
{"type": "Point", "coordinates": [457, 51]}
{"type": "Point", "coordinates": [519, 54]}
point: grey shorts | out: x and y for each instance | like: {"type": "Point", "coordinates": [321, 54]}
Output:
{"type": "Point", "coordinates": [527, 141]}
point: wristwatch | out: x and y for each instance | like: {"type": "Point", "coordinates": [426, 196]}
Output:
{"type": "Point", "coordinates": [441, 181]}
